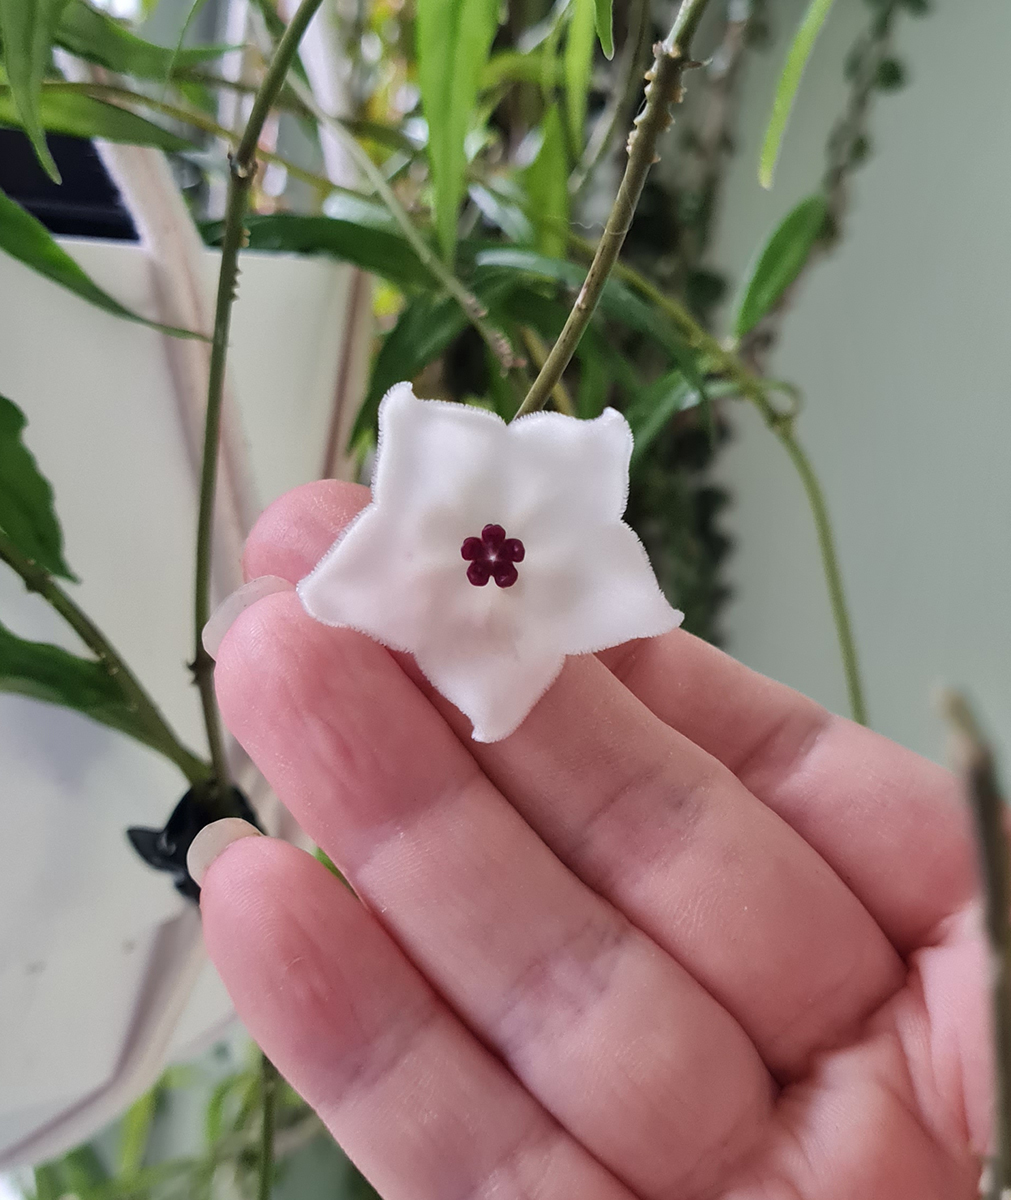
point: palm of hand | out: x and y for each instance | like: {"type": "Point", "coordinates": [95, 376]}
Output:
{"type": "Point", "coordinates": [682, 936]}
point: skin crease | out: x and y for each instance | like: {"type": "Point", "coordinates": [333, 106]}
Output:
{"type": "Point", "coordinates": [683, 936]}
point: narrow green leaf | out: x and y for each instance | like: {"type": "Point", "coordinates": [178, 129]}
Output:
{"type": "Point", "coordinates": [27, 512]}
{"type": "Point", "coordinates": [359, 232]}
{"type": "Point", "coordinates": [100, 39]}
{"type": "Point", "coordinates": [780, 262]}
{"type": "Point", "coordinates": [423, 330]}
{"type": "Point", "coordinates": [454, 39]}
{"type": "Point", "coordinates": [51, 674]}
{"type": "Point", "coordinates": [617, 301]}
{"type": "Point", "coordinates": [177, 49]}
{"type": "Point", "coordinates": [82, 1169]}
{"type": "Point", "coordinates": [547, 185]}
{"type": "Point", "coordinates": [135, 1133]}
{"type": "Point", "coordinates": [497, 208]}
{"type": "Point", "coordinates": [28, 240]}
{"type": "Point", "coordinates": [605, 26]}
{"type": "Point", "coordinates": [47, 1182]}
{"type": "Point", "coordinates": [515, 66]}
{"type": "Point", "coordinates": [86, 117]}
{"type": "Point", "coordinates": [26, 29]}
{"type": "Point", "coordinates": [789, 82]}
{"type": "Point", "coordinates": [578, 66]}
{"type": "Point", "coordinates": [654, 407]}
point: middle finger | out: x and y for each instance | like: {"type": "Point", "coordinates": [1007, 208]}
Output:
{"type": "Point", "coordinates": [616, 1039]}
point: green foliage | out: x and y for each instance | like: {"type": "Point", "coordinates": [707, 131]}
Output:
{"type": "Point", "coordinates": [364, 234]}
{"type": "Point", "coordinates": [135, 1132]}
{"type": "Point", "coordinates": [100, 39]}
{"type": "Point", "coordinates": [83, 116]}
{"type": "Point", "coordinates": [653, 408]}
{"type": "Point", "coordinates": [675, 509]}
{"type": "Point", "coordinates": [79, 1171]}
{"type": "Point", "coordinates": [49, 673]}
{"type": "Point", "coordinates": [454, 39]}
{"type": "Point", "coordinates": [789, 82]}
{"type": "Point", "coordinates": [28, 240]}
{"type": "Point", "coordinates": [425, 328]}
{"type": "Point", "coordinates": [578, 66]}
{"type": "Point", "coordinates": [605, 26]}
{"type": "Point", "coordinates": [617, 302]}
{"type": "Point", "coordinates": [547, 186]}
{"type": "Point", "coordinates": [27, 28]}
{"type": "Point", "coordinates": [891, 75]}
{"type": "Point", "coordinates": [514, 66]}
{"type": "Point", "coordinates": [27, 513]}
{"type": "Point", "coordinates": [780, 262]}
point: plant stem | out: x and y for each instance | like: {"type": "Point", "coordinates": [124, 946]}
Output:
{"type": "Point", "coordinates": [756, 389]}
{"type": "Point", "coordinates": [830, 566]}
{"type": "Point", "coordinates": [161, 735]}
{"type": "Point", "coordinates": [538, 353]}
{"type": "Point", "coordinates": [268, 1100]}
{"type": "Point", "coordinates": [663, 89]}
{"type": "Point", "coordinates": [618, 109]}
{"type": "Point", "coordinates": [242, 169]}
{"type": "Point", "coordinates": [974, 759]}
{"type": "Point", "coordinates": [473, 309]}
{"type": "Point", "coordinates": [193, 118]}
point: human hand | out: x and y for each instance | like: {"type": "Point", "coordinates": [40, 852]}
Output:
{"type": "Point", "coordinates": [683, 935]}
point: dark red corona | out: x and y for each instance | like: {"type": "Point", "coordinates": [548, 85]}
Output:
{"type": "Point", "coordinates": [492, 556]}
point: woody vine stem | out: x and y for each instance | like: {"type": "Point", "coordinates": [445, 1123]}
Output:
{"type": "Point", "coordinates": [242, 169]}
{"type": "Point", "coordinates": [663, 88]}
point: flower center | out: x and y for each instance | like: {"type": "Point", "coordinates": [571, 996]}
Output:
{"type": "Point", "coordinates": [492, 556]}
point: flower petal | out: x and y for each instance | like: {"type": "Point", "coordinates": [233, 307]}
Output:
{"type": "Point", "coordinates": [440, 460]}
{"type": "Point", "coordinates": [601, 597]}
{"type": "Point", "coordinates": [496, 691]}
{"type": "Point", "coordinates": [576, 471]}
{"type": "Point", "coordinates": [460, 498]}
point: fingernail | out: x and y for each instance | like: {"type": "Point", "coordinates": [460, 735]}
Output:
{"type": "Point", "coordinates": [227, 612]}
{"type": "Point", "coordinates": [212, 840]}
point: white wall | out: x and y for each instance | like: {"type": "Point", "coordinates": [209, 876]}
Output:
{"type": "Point", "coordinates": [902, 345]}
{"type": "Point", "coordinates": [95, 947]}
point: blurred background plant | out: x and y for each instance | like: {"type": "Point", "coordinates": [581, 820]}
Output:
{"type": "Point", "coordinates": [463, 157]}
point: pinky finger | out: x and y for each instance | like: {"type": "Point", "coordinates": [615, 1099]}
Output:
{"type": "Point", "coordinates": [421, 1107]}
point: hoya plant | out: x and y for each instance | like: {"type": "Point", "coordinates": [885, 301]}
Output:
{"type": "Point", "coordinates": [500, 184]}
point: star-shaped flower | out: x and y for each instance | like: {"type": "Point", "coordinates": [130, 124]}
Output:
{"type": "Point", "coordinates": [491, 551]}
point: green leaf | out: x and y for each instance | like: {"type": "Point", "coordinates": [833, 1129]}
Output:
{"type": "Point", "coordinates": [617, 301]}
{"type": "Point", "coordinates": [515, 66]}
{"type": "Point", "coordinates": [359, 232]}
{"type": "Point", "coordinates": [28, 240]}
{"type": "Point", "coordinates": [47, 1183]}
{"type": "Point", "coordinates": [27, 28]}
{"type": "Point", "coordinates": [84, 116]}
{"type": "Point", "coordinates": [547, 186]}
{"type": "Point", "coordinates": [605, 26]}
{"type": "Point", "coordinates": [789, 82]}
{"type": "Point", "coordinates": [578, 64]}
{"type": "Point", "coordinates": [454, 39]}
{"type": "Point", "coordinates": [27, 513]}
{"type": "Point", "coordinates": [424, 329]}
{"type": "Point", "coordinates": [135, 1132]}
{"type": "Point", "coordinates": [100, 39]}
{"type": "Point", "coordinates": [51, 674]}
{"type": "Point", "coordinates": [654, 407]}
{"type": "Point", "coordinates": [501, 211]}
{"type": "Point", "coordinates": [780, 262]}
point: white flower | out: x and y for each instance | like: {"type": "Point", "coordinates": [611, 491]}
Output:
{"type": "Point", "coordinates": [491, 551]}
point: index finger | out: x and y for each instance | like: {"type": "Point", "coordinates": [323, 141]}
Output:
{"type": "Point", "coordinates": [889, 822]}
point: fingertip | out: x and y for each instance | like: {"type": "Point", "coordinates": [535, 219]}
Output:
{"type": "Point", "coordinates": [253, 652]}
{"type": "Point", "coordinates": [212, 841]}
{"type": "Point", "coordinates": [294, 532]}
